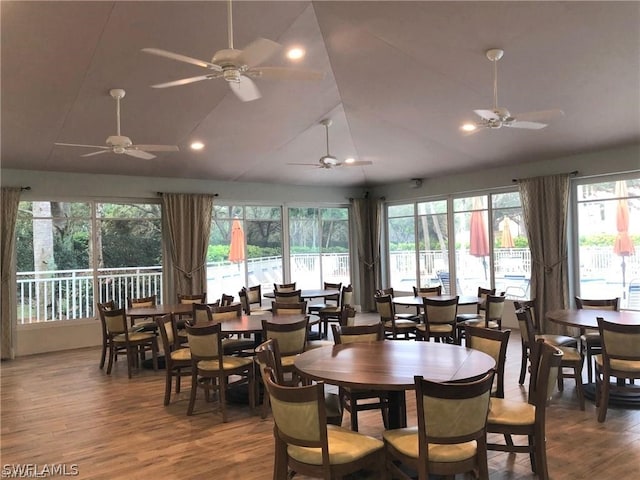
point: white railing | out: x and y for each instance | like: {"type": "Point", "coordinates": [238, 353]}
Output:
{"type": "Point", "coordinates": [69, 294]}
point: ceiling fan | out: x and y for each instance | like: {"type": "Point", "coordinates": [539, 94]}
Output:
{"type": "Point", "coordinates": [329, 161]}
{"type": "Point", "coordinates": [119, 143]}
{"type": "Point", "coordinates": [238, 67]}
{"type": "Point", "coordinates": [499, 117]}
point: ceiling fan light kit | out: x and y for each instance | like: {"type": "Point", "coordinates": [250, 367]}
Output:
{"type": "Point", "coordinates": [120, 144]}
{"type": "Point", "coordinates": [499, 117]}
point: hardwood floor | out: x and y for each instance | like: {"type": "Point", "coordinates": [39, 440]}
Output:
{"type": "Point", "coordinates": [60, 408]}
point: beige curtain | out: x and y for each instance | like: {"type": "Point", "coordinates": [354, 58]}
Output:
{"type": "Point", "coordinates": [185, 237]}
{"type": "Point", "coordinates": [9, 200]}
{"type": "Point", "coordinates": [367, 218]}
{"type": "Point", "coordinates": [545, 203]}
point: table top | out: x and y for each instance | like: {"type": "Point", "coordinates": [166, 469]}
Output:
{"type": "Point", "coordinates": [253, 323]}
{"type": "Point", "coordinates": [412, 301]}
{"type": "Point", "coordinates": [313, 293]}
{"type": "Point", "coordinates": [587, 318]}
{"type": "Point", "coordinates": [159, 310]}
{"type": "Point", "coordinates": [391, 364]}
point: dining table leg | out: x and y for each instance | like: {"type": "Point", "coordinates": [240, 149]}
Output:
{"type": "Point", "coordinates": [397, 409]}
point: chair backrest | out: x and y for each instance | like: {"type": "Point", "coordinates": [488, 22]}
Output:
{"type": "Point", "coordinates": [357, 333]}
{"type": "Point", "coordinates": [598, 304]}
{"type": "Point", "coordinates": [205, 342]}
{"type": "Point", "coordinates": [494, 307]}
{"type": "Point", "coordinates": [197, 298]}
{"type": "Point", "coordinates": [268, 356]}
{"type": "Point", "coordinates": [531, 306]}
{"type": "Point", "coordinates": [525, 324]}
{"type": "Point", "coordinates": [168, 333]}
{"type": "Point", "coordinates": [427, 291]}
{"type": "Point", "coordinates": [278, 308]}
{"type": "Point", "coordinates": [201, 314]}
{"type": "Point", "coordinates": [116, 322]}
{"type": "Point", "coordinates": [440, 311]}
{"type": "Point", "coordinates": [244, 301]}
{"type": "Point", "coordinates": [546, 360]}
{"type": "Point", "coordinates": [109, 305]}
{"type": "Point", "coordinates": [226, 300]}
{"type": "Point", "coordinates": [284, 287]}
{"type": "Point", "coordinates": [299, 416]}
{"type": "Point", "coordinates": [143, 302]}
{"type": "Point", "coordinates": [332, 286]}
{"type": "Point", "coordinates": [293, 296]}
{"type": "Point", "coordinates": [384, 305]}
{"type": "Point", "coordinates": [619, 342]}
{"type": "Point", "coordinates": [346, 296]}
{"type": "Point", "coordinates": [451, 413]}
{"type": "Point", "coordinates": [493, 343]}
{"type": "Point", "coordinates": [292, 337]}
{"type": "Point", "coordinates": [482, 294]}
{"type": "Point", "coordinates": [226, 312]}
{"type": "Point", "coordinates": [254, 295]}
{"type": "Point", "coordinates": [385, 291]}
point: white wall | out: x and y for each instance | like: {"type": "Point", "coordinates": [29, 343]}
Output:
{"type": "Point", "coordinates": [47, 185]}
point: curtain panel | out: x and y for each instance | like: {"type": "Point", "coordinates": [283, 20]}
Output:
{"type": "Point", "coordinates": [545, 202]}
{"type": "Point", "coordinates": [185, 236]}
{"type": "Point", "coordinates": [9, 201]}
{"type": "Point", "coordinates": [367, 218]}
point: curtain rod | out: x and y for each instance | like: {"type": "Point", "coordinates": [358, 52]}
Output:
{"type": "Point", "coordinates": [572, 174]}
{"type": "Point", "coordinates": [213, 194]}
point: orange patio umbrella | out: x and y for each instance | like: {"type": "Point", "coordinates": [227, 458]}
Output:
{"type": "Point", "coordinates": [623, 245]}
{"type": "Point", "coordinates": [507, 239]}
{"type": "Point", "coordinates": [479, 240]}
{"type": "Point", "coordinates": [236, 249]}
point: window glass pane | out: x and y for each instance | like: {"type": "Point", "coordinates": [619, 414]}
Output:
{"type": "Point", "coordinates": [472, 245]}
{"type": "Point", "coordinates": [402, 253]}
{"type": "Point", "coordinates": [53, 252]}
{"type": "Point", "coordinates": [264, 246]}
{"type": "Point", "coordinates": [400, 210]}
{"type": "Point", "coordinates": [433, 244]}
{"type": "Point", "coordinates": [608, 237]}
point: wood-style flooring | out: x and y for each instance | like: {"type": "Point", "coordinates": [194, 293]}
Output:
{"type": "Point", "coordinates": [60, 408]}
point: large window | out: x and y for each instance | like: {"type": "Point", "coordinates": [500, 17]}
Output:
{"type": "Point", "coordinates": [245, 249]}
{"type": "Point", "coordinates": [68, 251]}
{"type": "Point", "coordinates": [608, 240]}
{"type": "Point", "coordinates": [319, 246]}
{"type": "Point", "coordinates": [490, 248]}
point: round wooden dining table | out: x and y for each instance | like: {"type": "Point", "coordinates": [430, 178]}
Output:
{"type": "Point", "coordinates": [311, 293]}
{"type": "Point", "coordinates": [587, 318]}
{"type": "Point", "coordinates": [390, 366]}
{"type": "Point", "coordinates": [412, 301]}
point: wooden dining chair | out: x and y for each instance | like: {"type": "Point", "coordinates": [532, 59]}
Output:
{"type": "Point", "coordinates": [394, 327]}
{"type": "Point", "coordinates": [251, 300]}
{"type": "Point", "coordinates": [284, 287]}
{"type": "Point", "coordinates": [494, 343]}
{"type": "Point", "coordinates": [327, 300]}
{"type": "Point", "coordinates": [307, 445]}
{"type": "Point", "coordinates": [292, 340]}
{"type": "Point", "coordinates": [620, 358]}
{"type": "Point", "coordinates": [591, 342]}
{"type": "Point", "coordinates": [357, 400]}
{"type": "Point", "coordinates": [451, 436]}
{"type": "Point", "coordinates": [439, 320]}
{"type": "Point", "coordinates": [145, 323]}
{"type": "Point", "coordinates": [268, 356]}
{"type": "Point", "coordinates": [101, 307]}
{"type": "Point", "coordinates": [286, 308]}
{"type": "Point", "coordinates": [293, 296]}
{"type": "Point", "coordinates": [528, 419]}
{"type": "Point", "coordinates": [480, 307]}
{"type": "Point", "coordinates": [213, 371]}
{"type": "Point", "coordinates": [333, 313]}
{"type": "Point", "coordinates": [177, 357]}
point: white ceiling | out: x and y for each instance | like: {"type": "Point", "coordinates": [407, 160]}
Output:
{"type": "Point", "coordinates": [400, 78]}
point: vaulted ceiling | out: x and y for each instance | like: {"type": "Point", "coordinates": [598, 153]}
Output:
{"type": "Point", "coordinates": [399, 80]}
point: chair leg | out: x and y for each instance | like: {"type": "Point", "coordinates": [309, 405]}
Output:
{"type": "Point", "coordinates": [577, 374]}
{"type": "Point", "coordinates": [103, 354]}
{"type": "Point", "coordinates": [111, 356]}
{"type": "Point", "coordinates": [167, 386]}
{"type": "Point", "coordinates": [192, 395]}
{"type": "Point", "coordinates": [604, 399]}
{"type": "Point", "coordinates": [589, 364]}
{"type": "Point", "coordinates": [523, 365]}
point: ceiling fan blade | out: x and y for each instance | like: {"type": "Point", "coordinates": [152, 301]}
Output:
{"type": "Point", "coordinates": [96, 153]}
{"type": "Point", "coordinates": [156, 148]}
{"type": "Point", "coordinates": [487, 114]}
{"type": "Point", "coordinates": [182, 58]}
{"type": "Point", "coordinates": [529, 125]}
{"type": "Point", "coordinates": [80, 145]}
{"type": "Point", "coordinates": [139, 154]}
{"type": "Point", "coordinates": [541, 116]}
{"type": "Point", "coordinates": [284, 73]}
{"type": "Point", "coordinates": [183, 81]}
{"type": "Point", "coordinates": [356, 163]}
{"type": "Point", "coordinates": [245, 89]}
{"type": "Point", "coordinates": [305, 164]}
{"type": "Point", "coordinates": [258, 51]}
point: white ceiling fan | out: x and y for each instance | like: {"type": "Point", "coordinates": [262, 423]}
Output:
{"type": "Point", "coordinates": [328, 160]}
{"type": "Point", "coordinates": [119, 143]}
{"type": "Point", "coordinates": [499, 117]}
{"type": "Point", "coordinates": [238, 67]}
